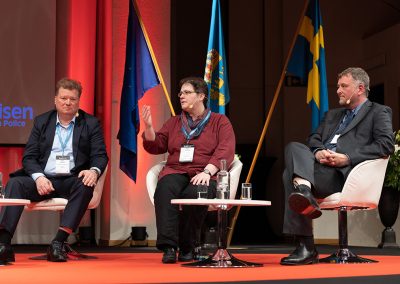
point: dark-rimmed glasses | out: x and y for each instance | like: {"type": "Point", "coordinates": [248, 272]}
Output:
{"type": "Point", "coordinates": [185, 93]}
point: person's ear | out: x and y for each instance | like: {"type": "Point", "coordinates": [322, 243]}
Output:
{"type": "Point", "coordinates": [202, 96]}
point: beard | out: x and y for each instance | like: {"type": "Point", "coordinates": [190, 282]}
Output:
{"type": "Point", "coordinates": [343, 101]}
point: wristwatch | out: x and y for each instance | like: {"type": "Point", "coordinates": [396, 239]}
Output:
{"type": "Point", "coordinates": [207, 172]}
{"type": "Point", "coordinates": [96, 170]}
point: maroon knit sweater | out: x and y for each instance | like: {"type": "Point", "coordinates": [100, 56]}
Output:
{"type": "Point", "coordinates": [216, 142]}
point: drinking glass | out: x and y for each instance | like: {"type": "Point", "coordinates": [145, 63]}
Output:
{"type": "Point", "coordinates": [202, 191]}
{"type": "Point", "coordinates": [246, 191]}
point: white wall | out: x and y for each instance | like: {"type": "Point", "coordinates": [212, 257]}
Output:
{"type": "Point", "coordinates": [364, 228]}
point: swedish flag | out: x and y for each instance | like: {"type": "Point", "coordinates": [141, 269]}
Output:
{"type": "Point", "coordinates": [308, 62]}
{"type": "Point", "coordinates": [216, 75]}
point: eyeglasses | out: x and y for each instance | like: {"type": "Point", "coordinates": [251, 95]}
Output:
{"type": "Point", "coordinates": [185, 93]}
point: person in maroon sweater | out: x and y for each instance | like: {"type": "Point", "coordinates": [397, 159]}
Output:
{"type": "Point", "coordinates": [196, 141]}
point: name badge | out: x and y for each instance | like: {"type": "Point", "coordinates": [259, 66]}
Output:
{"type": "Point", "coordinates": [62, 165]}
{"type": "Point", "coordinates": [335, 139]}
{"type": "Point", "coordinates": [187, 152]}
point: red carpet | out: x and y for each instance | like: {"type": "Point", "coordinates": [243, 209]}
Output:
{"type": "Point", "coordinates": [147, 268]}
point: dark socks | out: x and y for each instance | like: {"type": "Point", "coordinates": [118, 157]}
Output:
{"type": "Point", "coordinates": [61, 236]}
{"type": "Point", "coordinates": [5, 236]}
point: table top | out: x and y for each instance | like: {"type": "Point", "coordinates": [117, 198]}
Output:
{"type": "Point", "coordinates": [234, 202]}
{"type": "Point", "coordinates": [13, 201]}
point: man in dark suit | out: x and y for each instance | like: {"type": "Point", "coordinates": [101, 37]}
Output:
{"type": "Point", "coordinates": [64, 157]}
{"type": "Point", "coordinates": [359, 131]}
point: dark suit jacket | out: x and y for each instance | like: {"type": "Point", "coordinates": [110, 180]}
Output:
{"type": "Point", "coordinates": [368, 136]}
{"type": "Point", "coordinates": [87, 142]}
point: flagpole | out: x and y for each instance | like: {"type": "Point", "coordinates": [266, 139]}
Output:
{"type": "Point", "coordinates": [154, 58]}
{"type": "Point", "coordinates": [266, 124]}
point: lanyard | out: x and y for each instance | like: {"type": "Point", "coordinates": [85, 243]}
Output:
{"type": "Point", "coordinates": [198, 129]}
{"type": "Point", "coordinates": [64, 143]}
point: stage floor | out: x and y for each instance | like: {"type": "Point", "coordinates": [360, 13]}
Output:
{"type": "Point", "coordinates": [143, 265]}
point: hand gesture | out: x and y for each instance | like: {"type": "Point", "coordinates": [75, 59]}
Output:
{"type": "Point", "coordinates": [146, 115]}
{"type": "Point", "coordinates": [149, 133]}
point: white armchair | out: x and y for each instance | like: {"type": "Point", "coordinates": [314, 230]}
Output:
{"type": "Point", "coordinates": [58, 204]}
{"type": "Point", "coordinates": [361, 190]}
{"type": "Point", "coordinates": [152, 178]}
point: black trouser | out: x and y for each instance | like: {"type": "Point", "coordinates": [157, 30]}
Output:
{"type": "Point", "coordinates": [300, 161]}
{"type": "Point", "coordinates": [177, 228]}
{"type": "Point", "coordinates": [24, 187]}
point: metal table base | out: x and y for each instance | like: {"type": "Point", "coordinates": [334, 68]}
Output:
{"type": "Point", "coordinates": [222, 258]}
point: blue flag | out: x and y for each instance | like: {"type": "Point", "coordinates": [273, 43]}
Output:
{"type": "Point", "coordinates": [140, 75]}
{"type": "Point", "coordinates": [216, 75]}
{"type": "Point", "coordinates": [308, 62]}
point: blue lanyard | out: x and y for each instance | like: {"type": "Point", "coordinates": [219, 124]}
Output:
{"type": "Point", "coordinates": [198, 129]}
{"type": "Point", "coordinates": [69, 134]}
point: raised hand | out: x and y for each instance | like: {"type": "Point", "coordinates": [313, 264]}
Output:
{"type": "Point", "coordinates": [146, 115]}
{"type": "Point", "coordinates": [149, 133]}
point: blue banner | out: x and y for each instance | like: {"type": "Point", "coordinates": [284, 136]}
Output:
{"type": "Point", "coordinates": [140, 75]}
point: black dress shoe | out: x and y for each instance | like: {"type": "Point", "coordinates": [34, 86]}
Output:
{"type": "Point", "coordinates": [301, 256]}
{"type": "Point", "coordinates": [56, 252]}
{"type": "Point", "coordinates": [185, 256]}
{"type": "Point", "coordinates": [6, 253]}
{"type": "Point", "coordinates": [303, 202]}
{"type": "Point", "coordinates": [169, 255]}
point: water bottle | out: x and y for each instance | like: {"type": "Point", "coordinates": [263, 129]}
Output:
{"type": "Point", "coordinates": [223, 181]}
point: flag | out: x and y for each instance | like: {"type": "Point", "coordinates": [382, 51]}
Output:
{"type": "Point", "coordinates": [216, 75]}
{"type": "Point", "coordinates": [308, 62]}
{"type": "Point", "coordinates": [140, 75]}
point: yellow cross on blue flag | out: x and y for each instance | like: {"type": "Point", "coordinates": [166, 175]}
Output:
{"type": "Point", "coordinates": [215, 74]}
{"type": "Point", "coordinates": [140, 75]}
{"type": "Point", "coordinates": [308, 62]}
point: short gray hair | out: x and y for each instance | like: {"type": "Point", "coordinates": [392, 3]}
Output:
{"type": "Point", "coordinates": [358, 75]}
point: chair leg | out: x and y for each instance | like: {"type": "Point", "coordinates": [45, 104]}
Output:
{"type": "Point", "coordinates": [343, 254]}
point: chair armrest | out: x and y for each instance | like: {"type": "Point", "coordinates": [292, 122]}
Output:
{"type": "Point", "coordinates": [152, 179]}
{"type": "Point", "coordinates": [363, 186]}
{"type": "Point", "coordinates": [98, 190]}
{"type": "Point", "coordinates": [235, 170]}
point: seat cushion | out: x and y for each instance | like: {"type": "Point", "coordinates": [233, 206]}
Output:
{"type": "Point", "coordinates": [331, 201]}
{"type": "Point", "coordinates": [55, 204]}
